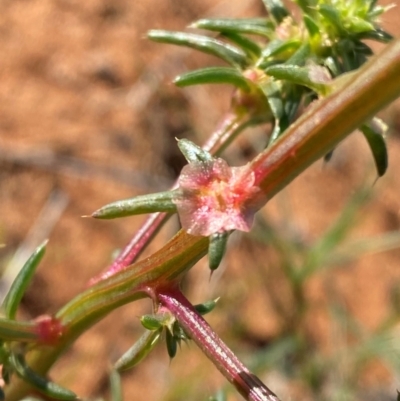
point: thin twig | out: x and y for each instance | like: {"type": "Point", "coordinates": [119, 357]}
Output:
{"type": "Point", "coordinates": [248, 384]}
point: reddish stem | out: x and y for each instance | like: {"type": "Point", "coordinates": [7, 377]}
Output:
{"type": "Point", "coordinates": [230, 126]}
{"type": "Point", "coordinates": [248, 385]}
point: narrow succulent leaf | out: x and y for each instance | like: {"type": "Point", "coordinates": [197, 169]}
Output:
{"type": "Point", "coordinates": [300, 56]}
{"type": "Point", "coordinates": [256, 26]}
{"type": "Point", "coordinates": [139, 350]}
{"type": "Point", "coordinates": [378, 34]}
{"type": "Point", "coordinates": [377, 144]}
{"type": "Point", "coordinates": [276, 9]}
{"type": "Point", "coordinates": [251, 48]}
{"type": "Point", "coordinates": [155, 322]}
{"type": "Point", "coordinates": [362, 48]}
{"type": "Point", "coordinates": [158, 202]}
{"type": "Point", "coordinates": [45, 386]}
{"type": "Point", "coordinates": [216, 249]}
{"type": "Point", "coordinates": [206, 307]}
{"type": "Point", "coordinates": [275, 48]}
{"type": "Point", "coordinates": [331, 14]}
{"type": "Point", "coordinates": [358, 25]}
{"type": "Point", "coordinates": [20, 284]}
{"type": "Point", "coordinates": [304, 76]}
{"type": "Point", "coordinates": [213, 75]}
{"type": "Point", "coordinates": [311, 26]}
{"type": "Point", "coordinates": [192, 152]}
{"type": "Point", "coordinates": [171, 343]}
{"type": "Point", "coordinates": [308, 6]}
{"type": "Point", "coordinates": [225, 51]}
{"type": "Point", "coordinates": [115, 386]}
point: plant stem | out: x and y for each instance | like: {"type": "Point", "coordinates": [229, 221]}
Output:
{"type": "Point", "coordinates": [328, 121]}
{"type": "Point", "coordinates": [276, 167]}
{"type": "Point", "coordinates": [232, 124]}
{"type": "Point", "coordinates": [247, 384]}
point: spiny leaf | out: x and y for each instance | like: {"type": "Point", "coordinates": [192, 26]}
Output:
{"type": "Point", "coordinates": [206, 307]}
{"type": "Point", "coordinates": [229, 53]}
{"type": "Point", "coordinates": [378, 34]}
{"type": "Point", "coordinates": [20, 284]}
{"type": "Point", "coordinates": [216, 249]}
{"type": "Point", "coordinates": [376, 142]}
{"type": "Point", "coordinates": [158, 202]}
{"type": "Point", "coordinates": [172, 345]}
{"type": "Point", "coordinates": [138, 351]}
{"type": "Point", "coordinates": [192, 152]}
{"type": "Point", "coordinates": [47, 387]}
{"type": "Point", "coordinates": [276, 9]}
{"type": "Point", "coordinates": [304, 76]}
{"type": "Point", "coordinates": [256, 26]}
{"type": "Point", "coordinates": [213, 75]}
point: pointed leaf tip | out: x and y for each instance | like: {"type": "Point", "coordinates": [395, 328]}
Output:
{"type": "Point", "coordinates": [213, 75]}
{"type": "Point", "coordinates": [373, 133]}
{"type": "Point", "coordinates": [231, 54]}
{"type": "Point", "coordinates": [151, 203]}
{"type": "Point", "coordinates": [42, 384]}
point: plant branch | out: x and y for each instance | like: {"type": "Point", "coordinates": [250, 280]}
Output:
{"type": "Point", "coordinates": [248, 385]}
{"type": "Point", "coordinates": [232, 124]}
{"type": "Point", "coordinates": [325, 123]}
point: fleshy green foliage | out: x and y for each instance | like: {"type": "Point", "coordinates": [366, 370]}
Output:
{"type": "Point", "coordinates": [277, 66]}
{"type": "Point", "coordinates": [284, 62]}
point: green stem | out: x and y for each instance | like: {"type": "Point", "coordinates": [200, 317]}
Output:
{"type": "Point", "coordinates": [328, 121]}
{"type": "Point", "coordinates": [322, 126]}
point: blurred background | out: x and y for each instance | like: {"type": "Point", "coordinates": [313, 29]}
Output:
{"type": "Point", "coordinates": [88, 115]}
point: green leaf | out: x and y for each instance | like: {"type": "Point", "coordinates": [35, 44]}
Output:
{"type": "Point", "coordinates": [357, 25]}
{"type": "Point", "coordinates": [276, 9]}
{"type": "Point", "coordinates": [213, 75]}
{"type": "Point", "coordinates": [278, 48]}
{"type": "Point", "coordinates": [256, 26]}
{"type": "Point", "coordinates": [231, 54]}
{"type": "Point", "coordinates": [21, 282]}
{"type": "Point", "coordinates": [192, 152]}
{"type": "Point", "coordinates": [138, 351]}
{"type": "Point", "coordinates": [332, 15]}
{"type": "Point", "coordinates": [378, 34]}
{"type": "Point", "coordinates": [158, 202]}
{"type": "Point", "coordinates": [311, 77]}
{"type": "Point", "coordinates": [216, 249]}
{"type": "Point", "coordinates": [171, 342]}
{"type": "Point", "coordinates": [206, 307]}
{"type": "Point", "coordinates": [311, 25]}
{"type": "Point", "coordinates": [251, 48]}
{"type": "Point", "coordinates": [155, 322]}
{"type": "Point", "coordinates": [45, 386]}
{"type": "Point", "coordinates": [373, 133]}
{"type": "Point", "coordinates": [300, 56]}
